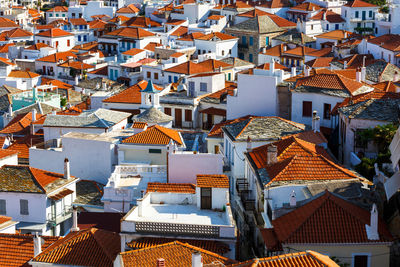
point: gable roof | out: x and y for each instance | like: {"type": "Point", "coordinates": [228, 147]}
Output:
{"type": "Point", "coordinates": [130, 95]}
{"type": "Point", "coordinates": [219, 36]}
{"type": "Point", "coordinates": [212, 180]}
{"type": "Point", "coordinates": [259, 24]}
{"type": "Point", "coordinates": [56, 57]}
{"type": "Point", "coordinates": [262, 128]}
{"type": "Point", "coordinates": [305, 259]}
{"type": "Point", "coordinates": [327, 15]}
{"type": "Point", "coordinates": [307, 6]}
{"type": "Point", "coordinates": [89, 247]}
{"type": "Point", "coordinates": [135, 33]}
{"type": "Point", "coordinates": [54, 33]}
{"type": "Point", "coordinates": [14, 33]}
{"type": "Point", "coordinates": [37, 46]}
{"type": "Point", "coordinates": [30, 180]}
{"type": "Point", "coordinates": [20, 124]}
{"type": "Point", "coordinates": [175, 254]}
{"type": "Point", "coordinates": [7, 23]}
{"type": "Point", "coordinates": [17, 249]}
{"type": "Point", "coordinates": [155, 135]}
{"type": "Point", "coordinates": [58, 9]}
{"type": "Point", "coordinates": [320, 62]}
{"type": "Point", "coordinates": [143, 22]}
{"type": "Point", "coordinates": [128, 9]}
{"type": "Point", "coordinates": [359, 3]}
{"type": "Point", "coordinates": [327, 219]}
{"type": "Point", "coordinates": [335, 35]}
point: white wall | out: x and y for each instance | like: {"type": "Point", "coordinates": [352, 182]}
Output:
{"type": "Point", "coordinates": [36, 206]}
{"type": "Point", "coordinates": [184, 167]}
{"type": "Point", "coordinates": [257, 95]}
{"type": "Point", "coordinates": [10, 160]}
{"type": "Point", "coordinates": [57, 132]}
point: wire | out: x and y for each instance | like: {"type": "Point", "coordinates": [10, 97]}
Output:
{"type": "Point", "coordinates": [234, 148]}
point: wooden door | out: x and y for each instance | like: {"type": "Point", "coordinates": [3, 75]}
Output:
{"type": "Point", "coordinates": [209, 121]}
{"type": "Point", "coordinates": [205, 198]}
{"type": "Point", "coordinates": [178, 117]}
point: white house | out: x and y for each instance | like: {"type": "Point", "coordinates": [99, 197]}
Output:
{"type": "Point", "coordinates": [359, 16]}
{"type": "Point", "coordinates": [220, 44]}
{"type": "Point", "coordinates": [57, 38]}
{"type": "Point", "coordinates": [56, 13]}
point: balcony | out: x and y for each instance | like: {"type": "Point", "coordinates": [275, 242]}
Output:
{"type": "Point", "coordinates": [245, 194]}
{"type": "Point", "coordinates": [243, 46]}
{"type": "Point", "coordinates": [60, 216]}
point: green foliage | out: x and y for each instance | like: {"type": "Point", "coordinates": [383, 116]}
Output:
{"type": "Point", "coordinates": [63, 102]}
{"type": "Point", "coordinates": [384, 9]}
{"type": "Point", "coordinates": [376, 2]}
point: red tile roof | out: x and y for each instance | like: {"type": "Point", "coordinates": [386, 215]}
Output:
{"type": "Point", "coordinates": [22, 74]}
{"type": "Point", "coordinates": [212, 180]}
{"type": "Point", "coordinates": [54, 33]}
{"type": "Point", "coordinates": [17, 250]}
{"type": "Point", "coordinates": [335, 35]}
{"type": "Point", "coordinates": [216, 130]}
{"type": "Point", "coordinates": [19, 124]}
{"type": "Point", "coordinates": [307, 6]}
{"type": "Point", "coordinates": [281, 22]}
{"type": "Point", "coordinates": [128, 9]}
{"type": "Point", "coordinates": [7, 23]}
{"type": "Point", "coordinates": [78, 21]}
{"type": "Point", "coordinates": [212, 246]}
{"type": "Point", "coordinates": [4, 153]}
{"type": "Point", "coordinates": [320, 62]}
{"type": "Point", "coordinates": [14, 33]}
{"type": "Point", "coordinates": [58, 9]}
{"type": "Point", "coordinates": [305, 259]}
{"type": "Point", "coordinates": [97, 24]}
{"type": "Point", "coordinates": [23, 144]}
{"type": "Point", "coordinates": [180, 31]}
{"type": "Point", "coordinates": [327, 219]}
{"type": "Point", "coordinates": [89, 247]}
{"type": "Point", "coordinates": [135, 33]}
{"type": "Point", "coordinates": [133, 52]}
{"type": "Point", "coordinates": [151, 46]}
{"type": "Point", "coordinates": [130, 95]}
{"type": "Point", "coordinates": [4, 48]}
{"type": "Point", "coordinates": [37, 46]}
{"type": "Point", "coordinates": [216, 35]}
{"type": "Point", "coordinates": [56, 57]}
{"type": "Point", "coordinates": [171, 188]}
{"type": "Point", "coordinates": [54, 82]}
{"type": "Point", "coordinates": [155, 135]}
{"type": "Point", "coordinates": [327, 15]}
{"type": "Point", "coordinates": [359, 3]}
{"type": "Point", "coordinates": [142, 22]}
{"type": "Point", "coordinates": [78, 65]}
{"type": "Point", "coordinates": [175, 254]}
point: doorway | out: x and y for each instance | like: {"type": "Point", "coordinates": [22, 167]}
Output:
{"type": "Point", "coordinates": [205, 198]}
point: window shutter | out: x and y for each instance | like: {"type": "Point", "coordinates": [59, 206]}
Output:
{"type": "Point", "coordinates": [24, 206]}
{"type": "Point", "coordinates": [307, 108]}
{"type": "Point", "coordinates": [3, 209]}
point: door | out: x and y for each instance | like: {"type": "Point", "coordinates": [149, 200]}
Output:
{"type": "Point", "coordinates": [205, 198]}
{"type": "Point", "coordinates": [364, 15]}
{"type": "Point", "coordinates": [178, 117]}
{"type": "Point", "coordinates": [209, 121]}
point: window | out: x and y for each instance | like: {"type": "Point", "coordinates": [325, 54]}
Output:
{"type": "Point", "coordinates": [307, 108]}
{"type": "Point", "coordinates": [356, 14]}
{"type": "Point", "coordinates": [188, 115]}
{"type": "Point", "coordinates": [154, 151]}
{"type": "Point", "coordinates": [267, 40]}
{"type": "Point", "coordinates": [167, 111]}
{"type": "Point", "coordinates": [244, 40]}
{"type": "Point", "coordinates": [370, 14]}
{"type": "Point", "coordinates": [169, 78]}
{"type": "Point", "coordinates": [230, 51]}
{"type": "Point", "coordinates": [359, 140]}
{"type": "Point", "coordinates": [85, 38]}
{"type": "Point", "coordinates": [63, 15]}
{"type": "Point", "coordinates": [223, 52]}
{"type": "Point", "coordinates": [148, 75]}
{"type": "Point", "coordinates": [251, 57]}
{"type": "Point", "coordinates": [56, 44]}
{"type": "Point", "coordinates": [203, 87]}
{"type": "Point", "coordinates": [336, 26]}
{"type": "Point", "coordinates": [50, 15]}
{"type": "Point", "coordinates": [327, 27]}
{"type": "Point", "coordinates": [3, 208]}
{"type": "Point", "coordinates": [191, 88]}
{"type": "Point", "coordinates": [156, 75]}
{"type": "Point", "coordinates": [360, 260]}
{"type": "Point", "coordinates": [327, 111]}
{"type": "Point", "coordinates": [79, 38]}
{"type": "Point", "coordinates": [241, 55]}
{"type": "Point", "coordinates": [199, 51]}
{"type": "Point", "coordinates": [68, 42]}
{"type": "Point", "coordinates": [23, 207]}
{"type": "Point", "coordinates": [251, 40]}
{"type": "Point", "coordinates": [312, 27]}
{"type": "Point", "coordinates": [175, 79]}
{"type": "Point", "coordinates": [345, 13]}
{"type": "Point", "coordinates": [229, 76]}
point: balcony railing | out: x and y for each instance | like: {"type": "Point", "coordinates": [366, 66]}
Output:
{"type": "Point", "coordinates": [242, 187]}
{"type": "Point", "coordinates": [59, 217]}
{"type": "Point", "coordinates": [177, 229]}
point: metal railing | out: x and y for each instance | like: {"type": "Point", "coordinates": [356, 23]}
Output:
{"type": "Point", "coordinates": [177, 229]}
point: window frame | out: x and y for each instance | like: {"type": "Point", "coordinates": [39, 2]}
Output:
{"type": "Point", "coordinates": [203, 87]}
{"type": "Point", "coordinates": [327, 116]}
{"type": "Point", "coordinates": [155, 151]}
{"type": "Point", "coordinates": [303, 111]}
{"type": "Point", "coordinates": [353, 255]}
{"type": "Point", "coordinates": [21, 207]}
{"type": "Point", "coordinates": [5, 206]}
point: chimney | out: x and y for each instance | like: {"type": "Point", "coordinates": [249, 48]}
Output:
{"type": "Point", "coordinates": [345, 65]}
{"type": "Point", "coordinates": [160, 262]}
{"type": "Point", "coordinates": [272, 66]}
{"type": "Point", "coordinates": [315, 122]}
{"type": "Point", "coordinates": [324, 15]}
{"type": "Point", "coordinates": [197, 260]}
{"type": "Point", "coordinates": [67, 173]}
{"type": "Point", "coordinates": [37, 245]}
{"type": "Point", "coordinates": [248, 144]}
{"type": "Point", "coordinates": [139, 207]}
{"type": "Point", "coordinates": [272, 153]}
{"type": "Point", "coordinates": [373, 226]}
{"type": "Point", "coordinates": [10, 110]}
{"type": "Point", "coordinates": [220, 69]}
{"type": "Point", "coordinates": [104, 84]}
{"type": "Point", "coordinates": [306, 71]}
{"type": "Point", "coordinates": [363, 73]}
{"type": "Point", "coordinates": [34, 115]}
{"type": "Point", "coordinates": [358, 75]}
{"type": "Point", "coordinates": [293, 72]}
{"type": "Point", "coordinates": [75, 227]}
{"type": "Point", "coordinates": [293, 201]}
{"type": "Point", "coordinates": [76, 80]}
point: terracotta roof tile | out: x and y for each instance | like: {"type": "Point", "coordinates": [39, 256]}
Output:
{"type": "Point", "coordinates": [4, 153]}
{"type": "Point", "coordinates": [58, 9]}
{"type": "Point", "coordinates": [218, 35]}
{"type": "Point", "coordinates": [327, 219]}
{"type": "Point", "coordinates": [130, 95]}
{"type": "Point", "coordinates": [216, 130]}
{"type": "Point", "coordinates": [136, 33]}
{"type": "Point", "coordinates": [335, 35]}
{"type": "Point", "coordinates": [128, 9]}
{"type": "Point", "coordinates": [328, 15]}
{"type": "Point", "coordinates": [54, 33]}
{"type": "Point", "coordinates": [78, 65]}
{"type": "Point", "coordinates": [20, 124]}
{"type": "Point", "coordinates": [56, 57]}
{"type": "Point", "coordinates": [155, 135]}
{"type": "Point", "coordinates": [212, 246]}
{"type": "Point", "coordinates": [78, 21]}
{"type": "Point", "coordinates": [7, 23]}
{"type": "Point", "coordinates": [171, 187]}
{"type": "Point", "coordinates": [89, 247]}
{"type": "Point", "coordinates": [143, 22]}
{"type": "Point", "coordinates": [281, 22]}
{"type": "Point", "coordinates": [212, 180]}
{"type": "Point", "coordinates": [37, 46]}
{"type": "Point", "coordinates": [22, 74]}
{"type": "Point", "coordinates": [359, 3]}
{"type": "Point", "coordinates": [23, 144]}
{"type": "Point", "coordinates": [175, 254]}
{"type": "Point", "coordinates": [14, 33]}
{"type": "Point", "coordinates": [17, 250]}
{"type": "Point", "coordinates": [321, 62]}
{"type": "Point", "coordinates": [133, 52]}
{"type": "Point", "coordinates": [307, 6]}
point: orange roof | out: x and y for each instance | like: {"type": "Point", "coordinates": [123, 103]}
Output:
{"type": "Point", "coordinates": [89, 247]}
{"type": "Point", "coordinates": [56, 57]}
{"type": "Point", "coordinates": [278, 66]}
{"type": "Point", "coordinates": [142, 22]}
{"type": "Point", "coordinates": [139, 125]}
{"type": "Point", "coordinates": [275, 51]}
{"type": "Point", "coordinates": [359, 3]}
{"type": "Point", "coordinates": [78, 21]}
{"type": "Point", "coordinates": [216, 35]}
{"type": "Point", "coordinates": [191, 36]}
{"type": "Point", "coordinates": [216, 130]}
{"type": "Point", "coordinates": [23, 144]}
{"type": "Point", "coordinates": [253, 13]}
{"type": "Point", "coordinates": [4, 153]}
{"type": "Point", "coordinates": [128, 9]}
{"type": "Point", "coordinates": [133, 52]}
{"type": "Point", "coordinates": [4, 219]}
{"type": "Point", "coordinates": [17, 250]}
{"type": "Point", "coordinates": [300, 51]}
{"type": "Point", "coordinates": [212, 180]}
{"type": "Point", "coordinates": [97, 24]}
{"type": "Point", "coordinates": [7, 23]}
{"type": "Point", "coordinates": [175, 254]}
{"type": "Point", "coordinates": [119, 19]}
{"type": "Point", "coordinates": [155, 135]}
{"type": "Point", "coordinates": [281, 22]}
{"type": "Point", "coordinates": [327, 219]}
{"type": "Point", "coordinates": [307, 6]}
{"type": "Point", "coordinates": [78, 65]}
{"type": "Point", "coordinates": [320, 62]}
{"type": "Point", "coordinates": [328, 15]}
{"type": "Point", "coordinates": [58, 9]}
{"type": "Point", "coordinates": [4, 48]}
{"type": "Point", "coordinates": [136, 33]}
{"type": "Point", "coordinates": [54, 82]}
{"type": "Point", "coordinates": [215, 17]}
{"type": "Point", "coordinates": [188, 68]}
{"type": "Point", "coordinates": [180, 31]}
{"type": "Point", "coordinates": [19, 124]}
{"type": "Point", "coordinates": [14, 33]}
{"type": "Point", "coordinates": [54, 33]}
{"type": "Point", "coordinates": [387, 41]}
{"type": "Point", "coordinates": [151, 46]}
{"type": "Point", "coordinates": [305, 259]}
{"type": "Point", "coordinates": [335, 35]}
{"type": "Point", "coordinates": [171, 188]}
{"type": "Point", "coordinates": [23, 74]}
{"type": "Point", "coordinates": [177, 54]}
{"type": "Point", "coordinates": [37, 46]}
{"type": "Point", "coordinates": [212, 246]}
{"type": "Point", "coordinates": [387, 87]}
{"type": "Point", "coordinates": [130, 95]}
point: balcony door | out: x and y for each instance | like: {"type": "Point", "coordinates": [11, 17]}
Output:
{"type": "Point", "coordinates": [178, 117]}
{"type": "Point", "coordinates": [205, 198]}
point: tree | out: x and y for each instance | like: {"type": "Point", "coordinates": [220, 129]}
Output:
{"type": "Point", "coordinates": [63, 102]}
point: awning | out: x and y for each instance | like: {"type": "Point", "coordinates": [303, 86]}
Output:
{"type": "Point", "coordinates": [214, 111]}
{"type": "Point", "coordinates": [61, 194]}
